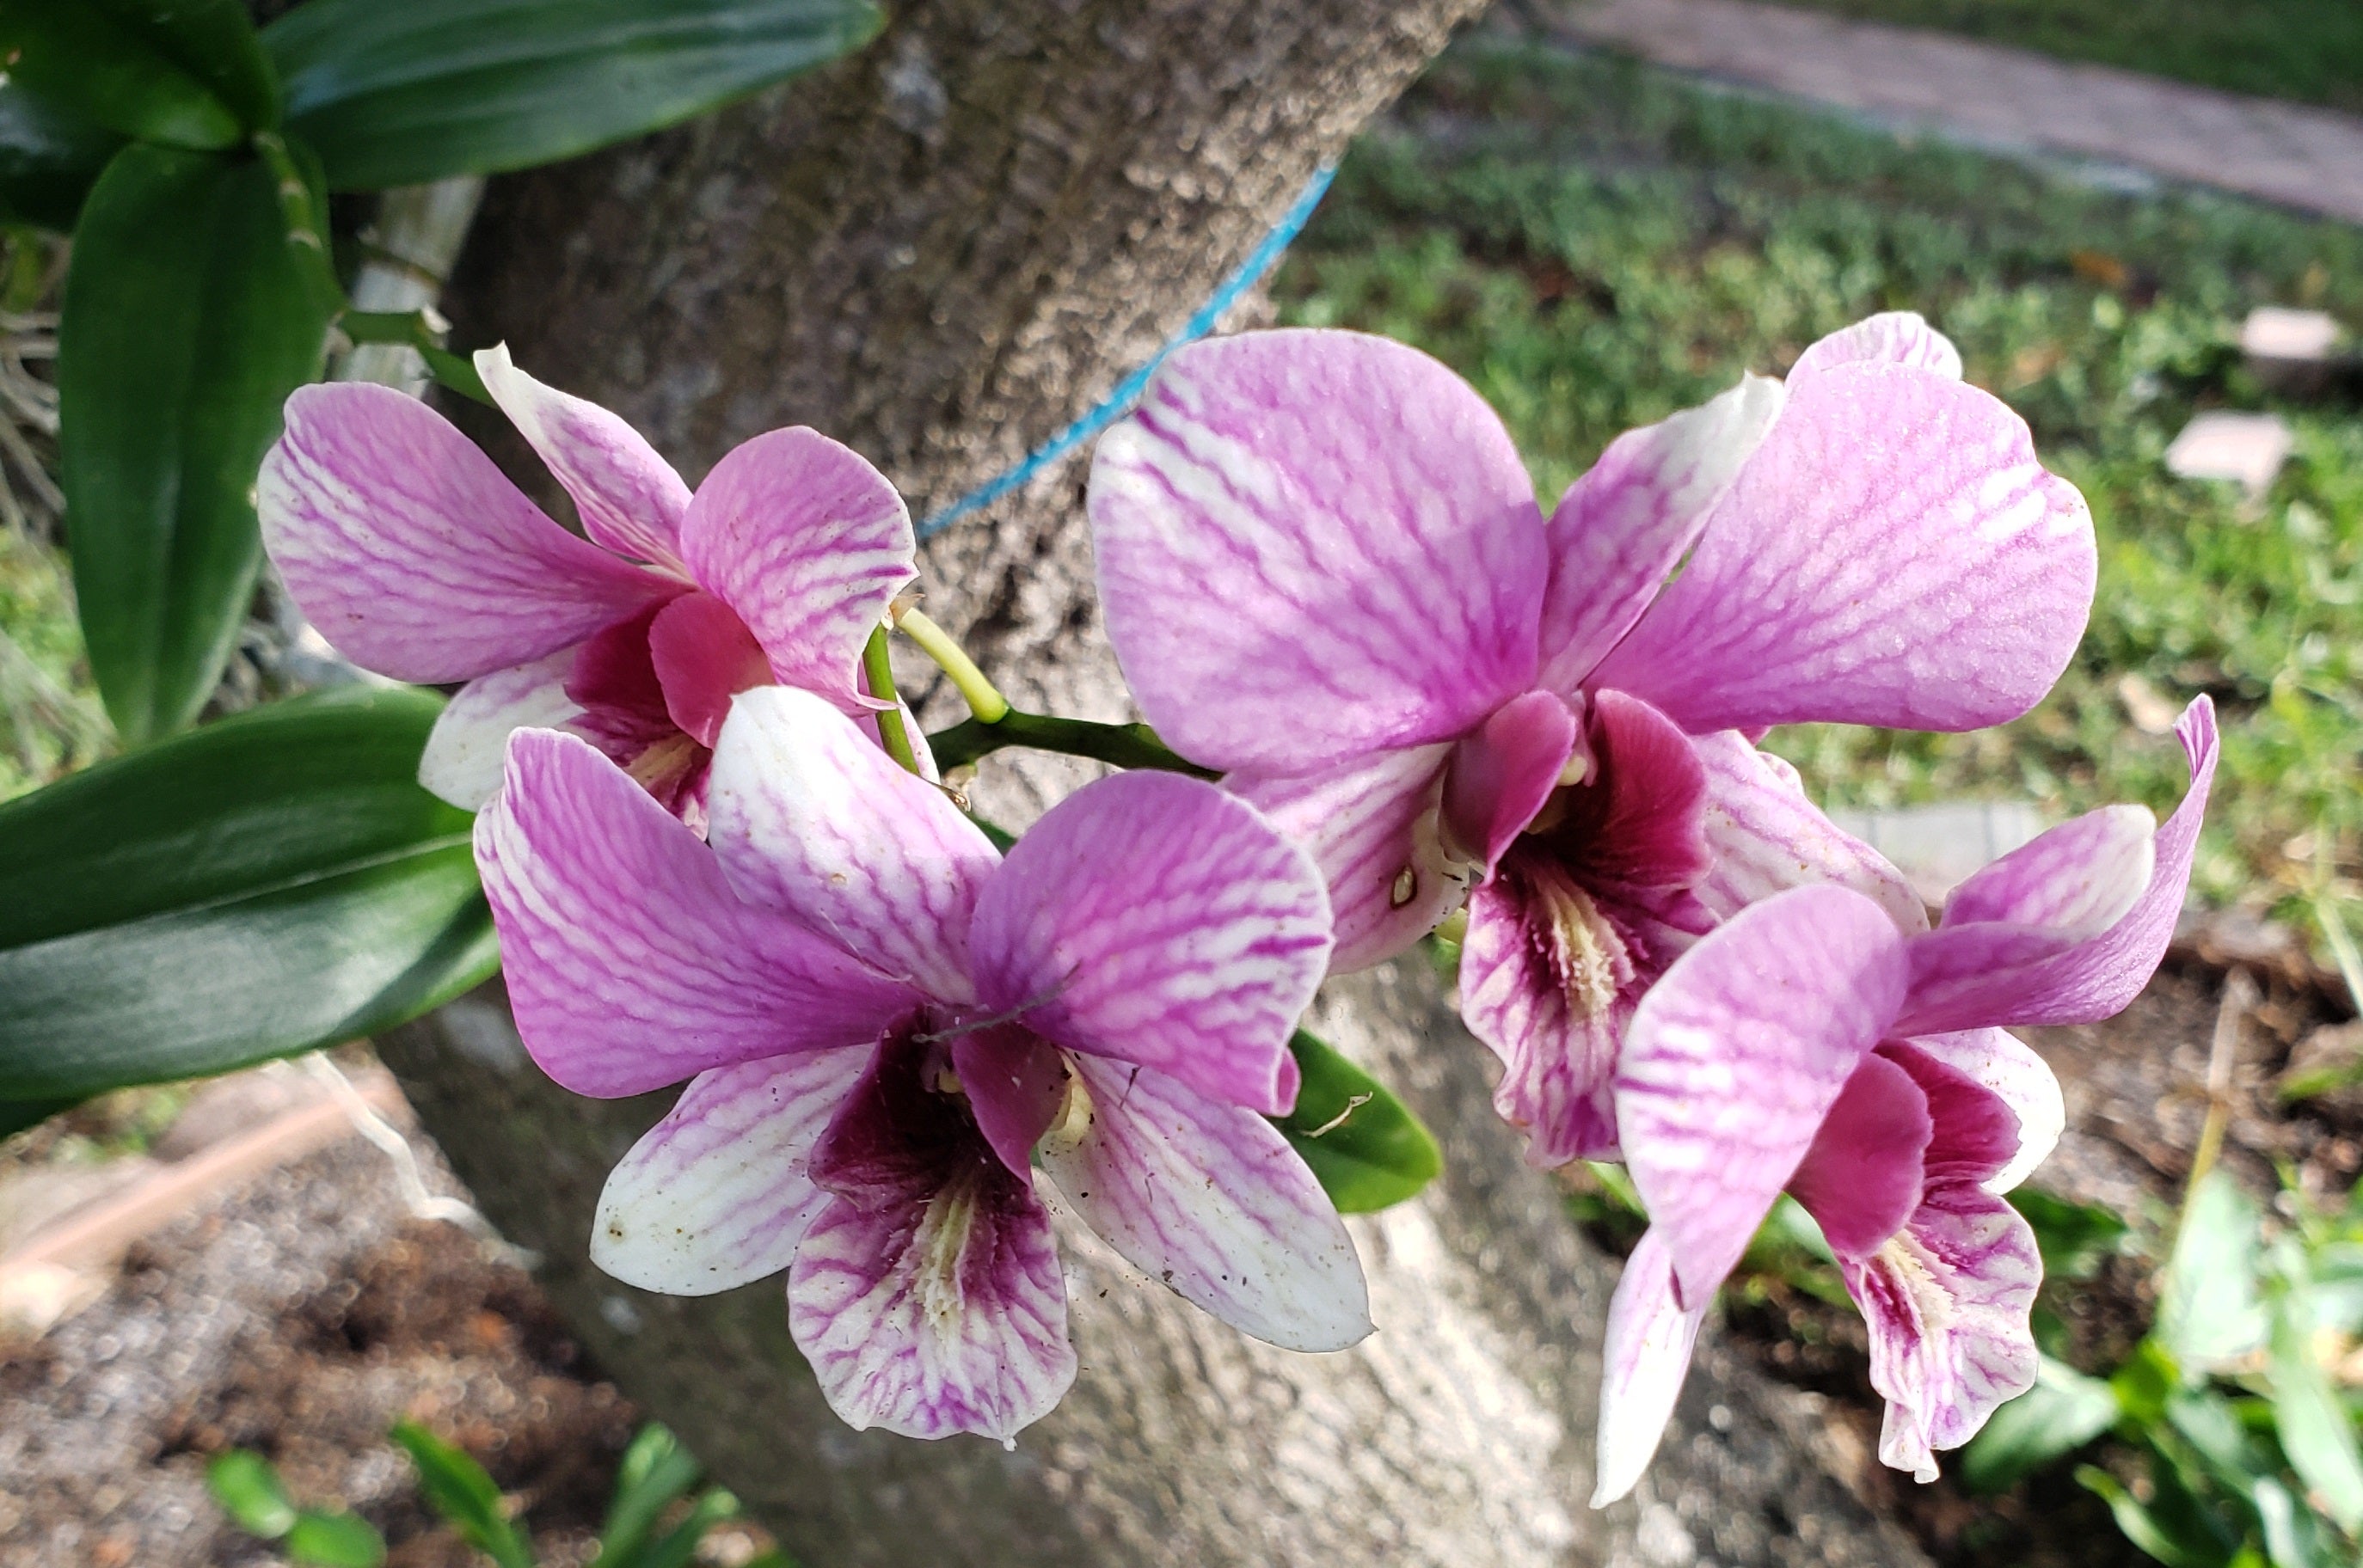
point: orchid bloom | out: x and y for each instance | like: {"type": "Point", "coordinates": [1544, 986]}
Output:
{"type": "Point", "coordinates": [417, 559]}
{"type": "Point", "coordinates": [1809, 1046]}
{"type": "Point", "coordinates": [1325, 574]}
{"type": "Point", "coordinates": [882, 1021]}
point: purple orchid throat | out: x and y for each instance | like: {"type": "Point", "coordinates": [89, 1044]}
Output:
{"type": "Point", "coordinates": [883, 1023]}
{"type": "Point", "coordinates": [417, 558]}
{"type": "Point", "coordinates": [1325, 574]}
{"type": "Point", "coordinates": [1809, 1046]}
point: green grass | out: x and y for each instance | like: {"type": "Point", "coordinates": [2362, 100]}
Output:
{"type": "Point", "coordinates": [1596, 245]}
{"type": "Point", "coordinates": [2307, 49]}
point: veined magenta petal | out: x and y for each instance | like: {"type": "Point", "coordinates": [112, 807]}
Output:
{"type": "Point", "coordinates": [809, 544]}
{"type": "Point", "coordinates": [1737, 1054]}
{"type": "Point", "coordinates": [1894, 554]}
{"type": "Point", "coordinates": [630, 962]}
{"type": "Point", "coordinates": [1619, 530]}
{"type": "Point", "coordinates": [1545, 979]}
{"type": "Point", "coordinates": [1211, 1200]}
{"type": "Point", "coordinates": [2097, 977]}
{"type": "Point", "coordinates": [944, 1313]}
{"type": "Point", "coordinates": [1973, 1132]}
{"type": "Point", "coordinates": [630, 499]}
{"type": "Point", "coordinates": [1948, 1303]}
{"type": "Point", "coordinates": [470, 743]}
{"type": "Point", "coordinates": [1892, 337]}
{"type": "Point", "coordinates": [1371, 826]}
{"type": "Point", "coordinates": [1314, 546]}
{"type": "Point", "coordinates": [1643, 814]}
{"type": "Point", "coordinates": [704, 656]}
{"type": "Point", "coordinates": [812, 820]}
{"type": "Point", "coordinates": [1646, 1355]}
{"type": "Point", "coordinates": [1016, 1085]}
{"type": "Point", "coordinates": [1502, 772]}
{"type": "Point", "coordinates": [414, 555]}
{"type": "Point", "coordinates": [1763, 835]}
{"type": "Point", "coordinates": [2008, 1066]}
{"type": "Point", "coordinates": [1860, 1181]}
{"type": "Point", "coordinates": [717, 1195]}
{"type": "Point", "coordinates": [1153, 918]}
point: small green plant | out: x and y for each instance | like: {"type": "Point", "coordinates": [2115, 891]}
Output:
{"type": "Point", "coordinates": [652, 1521]}
{"type": "Point", "coordinates": [2239, 1435]}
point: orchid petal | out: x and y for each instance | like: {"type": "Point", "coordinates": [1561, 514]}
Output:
{"type": "Point", "coordinates": [945, 1313]}
{"type": "Point", "coordinates": [469, 742]}
{"type": "Point", "coordinates": [630, 963]}
{"type": "Point", "coordinates": [1893, 555]}
{"type": "Point", "coordinates": [1973, 1132]}
{"type": "Point", "coordinates": [1211, 1200]}
{"type": "Point", "coordinates": [1502, 771]}
{"type": "Point", "coordinates": [1737, 1054]}
{"type": "Point", "coordinates": [630, 498]}
{"type": "Point", "coordinates": [414, 555]}
{"type": "Point", "coordinates": [716, 1195]}
{"type": "Point", "coordinates": [1535, 945]}
{"type": "Point", "coordinates": [812, 820]}
{"type": "Point", "coordinates": [2040, 900]}
{"type": "Point", "coordinates": [703, 656]}
{"type": "Point", "coordinates": [1764, 835]}
{"type": "Point", "coordinates": [1619, 531]}
{"type": "Point", "coordinates": [2009, 1067]}
{"type": "Point", "coordinates": [1641, 817]}
{"type": "Point", "coordinates": [809, 544]}
{"type": "Point", "coordinates": [1948, 1303]}
{"type": "Point", "coordinates": [1153, 918]}
{"type": "Point", "coordinates": [1312, 545]}
{"type": "Point", "coordinates": [1861, 1179]}
{"type": "Point", "coordinates": [1891, 338]}
{"type": "Point", "coordinates": [1646, 1357]}
{"type": "Point", "coordinates": [2100, 975]}
{"type": "Point", "coordinates": [1371, 827]}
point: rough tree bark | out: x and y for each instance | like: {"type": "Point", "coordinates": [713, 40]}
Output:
{"type": "Point", "coordinates": [941, 252]}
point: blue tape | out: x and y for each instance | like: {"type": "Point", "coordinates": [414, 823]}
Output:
{"type": "Point", "coordinates": [1127, 392]}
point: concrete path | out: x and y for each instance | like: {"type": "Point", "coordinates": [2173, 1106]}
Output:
{"type": "Point", "coordinates": [2299, 157]}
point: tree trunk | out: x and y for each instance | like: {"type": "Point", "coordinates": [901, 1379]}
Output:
{"type": "Point", "coordinates": [942, 252]}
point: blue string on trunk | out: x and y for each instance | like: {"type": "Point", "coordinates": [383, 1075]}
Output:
{"type": "Point", "coordinates": [1127, 392]}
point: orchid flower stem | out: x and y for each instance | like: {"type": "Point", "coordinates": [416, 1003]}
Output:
{"type": "Point", "coordinates": [418, 329]}
{"type": "Point", "coordinates": [880, 676]}
{"type": "Point", "coordinates": [1126, 746]}
{"type": "Point", "coordinates": [983, 699]}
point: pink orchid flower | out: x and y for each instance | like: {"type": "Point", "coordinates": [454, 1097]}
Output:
{"type": "Point", "coordinates": [1325, 574]}
{"type": "Point", "coordinates": [882, 1020]}
{"type": "Point", "coordinates": [1808, 1046]}
{"type": "Point", "coordinates": [417, 559]}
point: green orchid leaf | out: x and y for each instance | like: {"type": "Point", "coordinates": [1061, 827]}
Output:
{"type": "Point", "coordinates": [1365, 1146]}
{"type": "Point", "coordinates": [457, 1488]}
{"type": "Point", "coordinates": [2062, 1413]}
{"type": "Point", "coordinates": [397, 94]}
{"type": "Point", "coordinates": [249, 1489]}
{"type": "Point", "coordinates": [187, 73]}
{"type": "Point", "coordinates": [189, 316]}
{"type": "Point", "coordinates": [334, 1541]}
{"type": "Point", "coordinates": [270, 884]}
{"type": "Point", "coordinates": [16, 1115]}
{"type": "Point", "coordinates": [49, 158]}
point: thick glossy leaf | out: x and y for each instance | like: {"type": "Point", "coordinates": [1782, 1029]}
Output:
{"type": "Point", "coordinates": [1365, 1146]}
{"type": "Point", "coordinates": [334, 1541]}
{"type": "Point", "coordinates": [2208, 1308]}
{"type": "Point", "coordinates": [184, 73]}
{"type": "Point", "coordinates": [249, 1489]}
{"type": "Point", "coordinates": [269, 884]}
{"type": "Point", "coordinates": [16, 1115]}
{"type": "Point", "coordinates": [2062, 1413]}
{"type": "Point", "coordinates": [396, 94]}
{"type": "Point", "coordinates": [49, 159]}
{"type": "Point", "coordinates": [189, 318]}
{"type": "Point", "coordinates": [457, 1488]}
